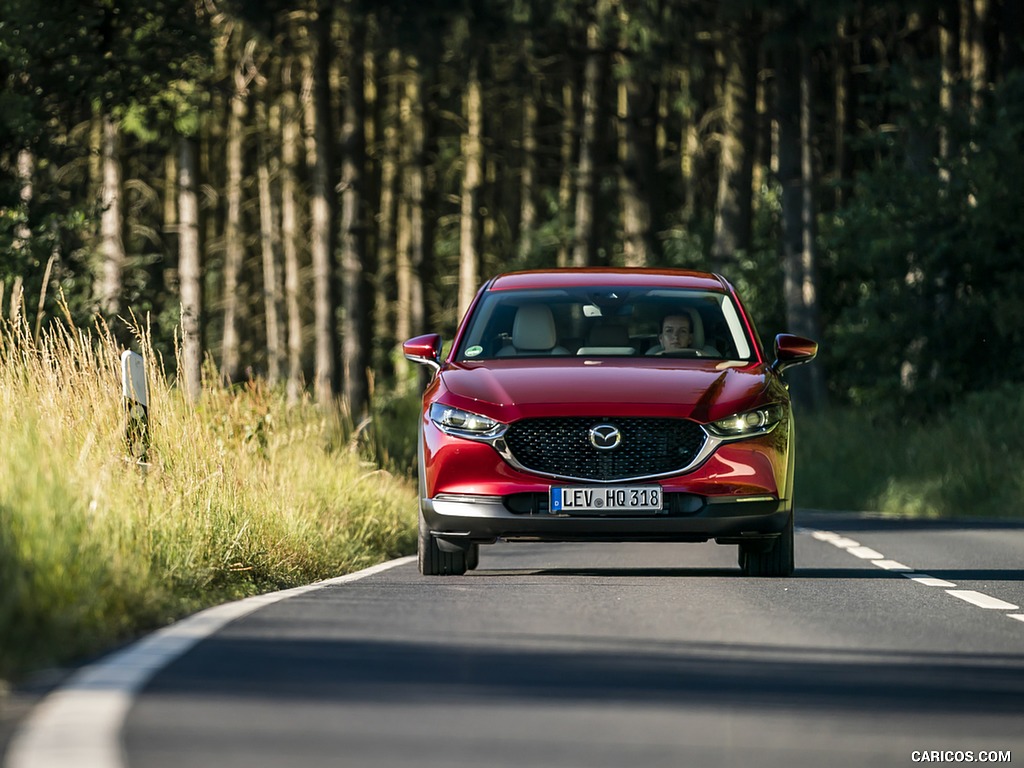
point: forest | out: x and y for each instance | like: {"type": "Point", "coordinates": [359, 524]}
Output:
{"type": "Point", "coordinates": [285, 190]}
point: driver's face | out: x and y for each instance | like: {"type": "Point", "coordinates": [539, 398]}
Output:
{"type": "Point", "coordinates": [675, 333]}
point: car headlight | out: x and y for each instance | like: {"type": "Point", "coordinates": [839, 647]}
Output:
{"type": "Point", "coordinates": [756, 422]}
{"type": "Point", "coordinates": [455, 421]}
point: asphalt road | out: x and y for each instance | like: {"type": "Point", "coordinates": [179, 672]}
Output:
{"type": "Point", "coordinates": [892, 639]}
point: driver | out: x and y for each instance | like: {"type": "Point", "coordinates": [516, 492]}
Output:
{"type": "Point", "coordinates": [676, 333]}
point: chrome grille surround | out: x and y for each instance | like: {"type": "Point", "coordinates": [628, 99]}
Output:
{"type": "Point", "coordinates": [561, 448]}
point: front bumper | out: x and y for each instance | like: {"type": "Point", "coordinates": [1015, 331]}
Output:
{"type": "Point", "coordinates": [741, 492]}
{"type": "Point", "coordinates": [461, 520]}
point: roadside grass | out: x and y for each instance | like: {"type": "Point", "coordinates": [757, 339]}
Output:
{"type": "Point", "coordinates": [962, 462]}
{"type": "Point", "coordinates": [240, 495]}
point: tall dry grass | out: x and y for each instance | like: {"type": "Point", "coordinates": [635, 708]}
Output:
{"type": "Point", "coordinates": [238, 495]}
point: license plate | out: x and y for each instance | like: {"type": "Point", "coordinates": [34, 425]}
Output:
{"type": "Point", "coordinates": [568, 500]}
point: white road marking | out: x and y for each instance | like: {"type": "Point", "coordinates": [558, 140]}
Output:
{"type": "Point", "coordinates": [843, 543]}
{"type": "Point", "coordinates": [825, 535]}
{"type": "Point", "coordinates": [877, 558]}
{"type": "Point", "coordinates": [865, 553]}
{"type": "Point", "coordinates": [892, 565]}
{"type": "Point", "coordinates": [79, 725]}
{"type": "Point", "coordinates": [928, 581]}
{"type": "Point", "coordinates": [982, 600]}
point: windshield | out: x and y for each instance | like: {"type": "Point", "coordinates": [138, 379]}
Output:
{"type": "Point", "coordinates": [605, 322]}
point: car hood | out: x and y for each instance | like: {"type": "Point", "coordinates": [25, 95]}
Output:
{"type": "Point", "coordinates": [703, 390]}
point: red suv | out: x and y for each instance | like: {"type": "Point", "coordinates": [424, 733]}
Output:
{"type": "Point", "coordinates": [606, 405]}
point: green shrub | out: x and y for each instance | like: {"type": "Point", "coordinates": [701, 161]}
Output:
{"type": "Point", "coordinates": [961, 461]}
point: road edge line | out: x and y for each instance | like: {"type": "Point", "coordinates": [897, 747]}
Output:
{"type": "Point", "coordinates": [79, 724]}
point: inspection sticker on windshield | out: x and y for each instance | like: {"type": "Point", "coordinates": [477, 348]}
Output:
{"type": "Point", "coordinates": [568, 500]}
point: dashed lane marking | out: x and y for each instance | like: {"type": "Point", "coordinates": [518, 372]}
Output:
{"type": "Point", "coordinates": [865, 553]}
{"type": "Point", "coordinates": [892, 565]}
{"type": "Point", "coordinates": [844, 543]}
{"type": "Point", "coordinates": [982, 600]}
{"type": "Point", "coordinates": [822, 535]}
{"type": "Point", "coordinates": [928, 581]}
{"type": "Point", "coordinates": [855, 548]}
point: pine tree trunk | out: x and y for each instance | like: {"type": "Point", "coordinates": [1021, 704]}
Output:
{"type": "Point", "coordinates": [211, 148]}
{"type": "Point", "coordinates": [586, 184]}
{"type": "Point", "coordinates": [472, 179]}
{"type": "Point", "coordinates": [491, 201]}
{"type": "Point", "coordinates": [974, 17]}
{"type": "Point", "coordinates": [170, 200]}
{"type": "Point", "coordinates": [795, 164]}
{"type": "Point", "coordinates": [565, 178]}
{"type": "Point", "coordinates": [528, 177]}
{"type": "Point", "coordinates": [949, 56]}
{"type": "Point", "coordinates": [420, 227]}
{"type": "Point", "coordinates": [356, 300]}
{"type": "Point", "coordinates": [269, 122]}
{"type": "Point", "coordinates": [635, 125]}
{"type": "Point", "coordinates": [387, 223]}
{"type": "Point", "coordinates": [96, 153]}
{"type": "Point", "coordinates": [404, 277]}
{"type": "Point", "coordinates": [411, 265]}
{"type": "Point", "coordinates": [733, 205]}
{"type": "Point", "coordinates": [234, 237]}
{"type": "Point", "coordinates": [636, 139]}
{"type": "Point", "coordinates": [690, 144]}
{"type": "Point", "coordinates": [189, 271]}
{"type": "Point", "coordinates": [845, 115]}
{"type": "Point", "coordinates": [318, 140]}
{"type": "Point", "coordinates": [26, 166]}
{"type": "Point", "coordinates": [112, 253]}
{"type": "Point", "coordinates": [291, 234]}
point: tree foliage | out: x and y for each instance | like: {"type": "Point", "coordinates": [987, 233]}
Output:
{"type": "Point", "coordinates": [925, 266]}
{"type": "Point", "coordinates": [913, 134]}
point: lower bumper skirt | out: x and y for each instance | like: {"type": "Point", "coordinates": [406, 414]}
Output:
{"type": "Point", "coordinates": [462, 520]}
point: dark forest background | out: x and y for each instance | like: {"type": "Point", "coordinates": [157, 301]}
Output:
{"type": "Point", "coordinates": [289, 189]}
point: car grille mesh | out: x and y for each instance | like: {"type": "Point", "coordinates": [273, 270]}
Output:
{"type": "Point", "coordinates": [561, 446]}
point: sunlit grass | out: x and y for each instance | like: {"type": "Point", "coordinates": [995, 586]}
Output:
{"type": "Point", "coordinates": [238, 495]}
{"type": "Point", "coordinates": [964, 461]}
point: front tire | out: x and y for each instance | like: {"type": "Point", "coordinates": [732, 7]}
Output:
{"type": "Point", "coordinates": [473, 557]}
{"type": "Point", "coordinates": [435, 562]}
{"type": "Point", "coordinates": [777, 561]}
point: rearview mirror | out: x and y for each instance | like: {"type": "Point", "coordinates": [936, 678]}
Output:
{"type": "Point", "coordinates": [792, 350]}
{"type": "Point", "coordinates": [425, 350]}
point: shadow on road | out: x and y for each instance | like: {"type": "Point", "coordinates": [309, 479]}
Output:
{"type": "Point", "coordinates": [683, 573]}
{"type": "Point", "coordinates": [951, 574]}
{"type": "Point", "coordinates": [707, 674]}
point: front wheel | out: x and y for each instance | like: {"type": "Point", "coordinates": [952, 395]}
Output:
{"type": "Point", "coordinates": [777, 561]}
{"type": "Point", "coordinates": [433, 560]}
{"type": "Point", "coordinates": [473, 557]}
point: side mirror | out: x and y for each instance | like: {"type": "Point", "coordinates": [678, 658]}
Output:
{"type": "Point", "coordinates": [425, 350]}
{"type": "Point", "coordinates": [792, 350]}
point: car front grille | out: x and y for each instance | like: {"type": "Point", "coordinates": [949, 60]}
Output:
{"type": "Point", "coordinates": [562, 446]}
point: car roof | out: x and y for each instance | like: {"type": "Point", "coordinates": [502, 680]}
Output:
{"type": "Point", "coordinates": [586, 277]}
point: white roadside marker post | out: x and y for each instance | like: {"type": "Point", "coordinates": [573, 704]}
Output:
{"type": "Point", "coordinates": [136, 404]}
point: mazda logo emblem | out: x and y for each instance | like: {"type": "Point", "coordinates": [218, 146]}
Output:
{"type": "Point", "coordinates": [604, 437]}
